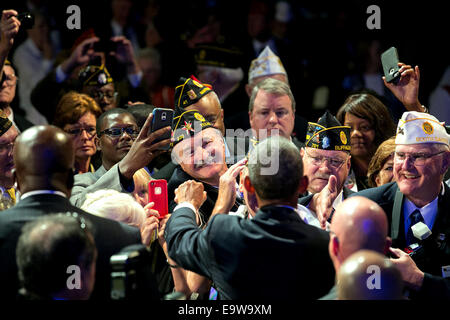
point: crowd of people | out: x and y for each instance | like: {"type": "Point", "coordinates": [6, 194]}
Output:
{"type": "Point", "coordinates": [264, 201]}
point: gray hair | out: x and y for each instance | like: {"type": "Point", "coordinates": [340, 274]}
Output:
{"type": "Point", "coordinates": [283, 183]}
{"type": "Point", "coordinates": [114, 205]}
{"type": "Point", "coordinates": [272, 86]}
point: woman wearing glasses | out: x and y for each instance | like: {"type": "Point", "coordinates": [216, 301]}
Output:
{"type": "Point", "coordinates": [77, 114]}
{"type": "Point", "coordinates": [370, 124]}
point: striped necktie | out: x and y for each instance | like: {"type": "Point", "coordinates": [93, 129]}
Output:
{"type": "Point", "coordinates": [414, 218]}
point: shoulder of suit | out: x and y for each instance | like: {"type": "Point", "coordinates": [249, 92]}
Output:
{"type": "Point", "coordinates": [384, 192]}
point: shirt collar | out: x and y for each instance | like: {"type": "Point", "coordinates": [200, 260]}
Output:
{"type": "Point", "coordinates": [429, 211]}
{"type": "Point", "coordinates": [36, 192]}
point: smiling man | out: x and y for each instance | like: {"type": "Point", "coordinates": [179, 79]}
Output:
{"type": "Point", "coordinates": [199, 149]}
{"type": "Point", "coordinates": [421, 159]}
{"type": "Point", "coordinates": [124, 150]}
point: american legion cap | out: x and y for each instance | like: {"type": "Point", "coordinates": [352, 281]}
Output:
{"type": "Point", "coordinates": [328, 134]}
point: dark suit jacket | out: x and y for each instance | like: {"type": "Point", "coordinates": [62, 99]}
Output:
{"type": "Point", "coordinates": [273, 256]}
{"type": "Point", "coordinates": [436, 248]}
{"type": "Point", "coordinates": [110, 237]}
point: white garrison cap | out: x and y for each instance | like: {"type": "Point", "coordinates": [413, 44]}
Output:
{"type": "Point", "coordinates": [417, 127]}
{"type": "Point", "coordinates": [266, 64]}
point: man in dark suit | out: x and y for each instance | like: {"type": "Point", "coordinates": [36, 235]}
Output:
{"type": "Point", "coordinates": [275, 255]}
{"type": "Point", "coordinates": [418, 200]}
{"type": "Point", "coordinates": [419, 196]}
{"type": "Point", "coordinates": [44, 160]}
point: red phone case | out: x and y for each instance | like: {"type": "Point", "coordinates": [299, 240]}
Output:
{"type": "Point", "coordinates": [157, 193]}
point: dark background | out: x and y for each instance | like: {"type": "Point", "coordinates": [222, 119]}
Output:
{"type": "Point", "coordinates": [320, 47]}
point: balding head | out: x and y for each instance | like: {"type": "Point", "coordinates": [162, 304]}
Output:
{"type": "Point", "coordinates": [44, 159]}
{"type": "Point", "coordinates": [368, 275]}
{"type": "Point", "coordinates": [358, 223]}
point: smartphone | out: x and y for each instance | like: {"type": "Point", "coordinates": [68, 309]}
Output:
{"type": "Point", "coordinates": [105, 46]}
{"type": "Point", "coordinates": [162, 118]}
{"type": "Point", "coordinates": [389, 60]}
{"type": "Point", "coordinates": [157, 193]}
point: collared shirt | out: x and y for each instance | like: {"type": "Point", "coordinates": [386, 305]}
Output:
{"type": "Point", "coordinates": [310, 217]}
{"type": "Point", "coordinates": [36, 192]}
{"type": "Point", "coordinates": [428, 212]}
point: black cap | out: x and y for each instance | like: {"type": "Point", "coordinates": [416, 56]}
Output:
{"type": "Point", "coordinates": [93, 75]}
{"type": "Point", "coordinates": [189, 91]}
{"type": "Point", "coordinates": [187, 124]}
{"type": "Point", "coordinates": [217, 56]}
{"type": "Point", "coordinates": [328, 134]}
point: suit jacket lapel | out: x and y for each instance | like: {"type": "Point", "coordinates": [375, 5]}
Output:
{"type": "Point", "coordinates": [397, 213]}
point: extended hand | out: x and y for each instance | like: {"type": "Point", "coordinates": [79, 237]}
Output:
{"type": "Point", "coordinates": [227, 188]}
{"type": "Point", "coordinates": [411, 275]}
{"type": "Point", "coordinates": [322, 202]}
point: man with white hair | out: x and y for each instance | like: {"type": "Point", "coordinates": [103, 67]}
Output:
{"type": "Point", "coordinates": [421, 159]}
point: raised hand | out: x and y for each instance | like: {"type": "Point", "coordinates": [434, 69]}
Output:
{"type": "Point", "coordinates": [407, 88]}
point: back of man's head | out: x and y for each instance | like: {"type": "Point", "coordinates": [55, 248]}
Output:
{"type": "Point", "coordinates": [52, 249]}
{"type": "Point", "coordinates": [358, 223]}
{"type": "Point", "coordinates": [368, 275]}
{"type": "Point", "coordinates": [44, 159]}
{"type": "Point", "coordinates": [275, 168]}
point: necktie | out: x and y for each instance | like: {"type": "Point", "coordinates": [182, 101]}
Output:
{"type": "Point", "coordinates": [414, 218]}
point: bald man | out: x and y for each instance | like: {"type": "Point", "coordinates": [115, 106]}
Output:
{"type": "Point", "coordinates": [44, 160]}
{"type": "Point", "coordinates": [358, 223]}
{"type": "Point", "coordinates": [368, 275]}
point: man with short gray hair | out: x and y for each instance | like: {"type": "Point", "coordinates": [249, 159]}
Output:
{"type": "Point", "coordinates": [272, 110]}
{"type": "Point", "coordinates": [275, 255]}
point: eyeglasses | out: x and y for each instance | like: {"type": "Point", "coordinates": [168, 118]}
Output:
{"type": "Point", "coordinates": [318, 160]}
{"type": "Point", "coordinates": [99, 95]}
{"type": "Point", "coordinates": [90, 131]}
{"type": "Point", "coordinates": [5, 148]}
{"type": "Point", "coordinates": [117, 132]}
{"type": "Point", "coordinates": [417, 159]}
{"type": "Point", "coordinates": [10, 80]}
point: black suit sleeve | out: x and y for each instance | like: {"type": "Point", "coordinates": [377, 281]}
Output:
{"type": "Point", "coordinates": [187, 243]}
{"type": "Point", "coordinates": [435, 287]}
